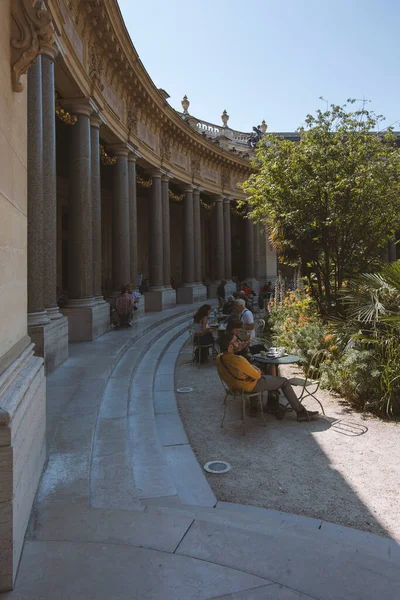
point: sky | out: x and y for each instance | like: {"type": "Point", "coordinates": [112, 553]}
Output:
{"type": "Point", "coordinates": [269, 59]}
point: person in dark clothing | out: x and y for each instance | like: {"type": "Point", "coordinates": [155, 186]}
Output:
{"type": "Point", "coordinates": [221, 293]}
{"type": "Point", "coordinates": [144, 286]}
{"type": "Point", "coordinates": [229, 305]}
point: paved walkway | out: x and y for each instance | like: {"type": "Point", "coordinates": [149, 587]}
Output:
{"type": "Point", "coordinates": [124, 511]}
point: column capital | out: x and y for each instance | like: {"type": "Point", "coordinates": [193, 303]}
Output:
{"type": "Point", "coordinates": [218, 198]}
{"type": "Point", "coordinates": [156, 173]}
{"type": "Point", "coordinates": [134, 155]}
{"type": "Point", "coordinates": [166, 176]}
{"type": "Point", "coordinates": [97, 119]}
{"type": "Point", "coordinates": [32, 35]}
{"type": "Point", "coordinates": [197, 190]}
{"type": "Point", "coordinates": [121, 148]}
{"type": "Point", "coordinates": [227, 199]}
{"type": "Point", "coordinates": [80, 106]}
{"type": "Point", "coordinates": [188, 188]}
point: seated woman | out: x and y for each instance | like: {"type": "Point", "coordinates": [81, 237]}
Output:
{"type": "Point", "coordinates": [124, 306]}
{"type": "Point", "coordinates": [202, 333]}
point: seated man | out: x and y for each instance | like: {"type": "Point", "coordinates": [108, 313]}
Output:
{"type": "Point", "coordinates": [124, 306]}
{"type": "Point", "coordinates": [235, 326]}
{"type": "Point", "coordinates": [253, 380]}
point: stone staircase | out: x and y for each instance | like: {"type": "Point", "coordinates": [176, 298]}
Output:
{"type": "Point", "coordinates": [125, 511]}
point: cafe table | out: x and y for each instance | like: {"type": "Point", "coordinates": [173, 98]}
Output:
{"type": "Point", "coordinates": [275, 361]}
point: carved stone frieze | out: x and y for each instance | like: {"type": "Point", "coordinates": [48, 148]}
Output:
{"type": "Point", "coordinates": [132, 120]}
{"type": "Point", "coordinates": [32, 34]}
{"type": "Point", "coordinates": [96, 66]}
{"type": "Point", "coordinates": [165, 147]}
{"type": "Point", "coordinates": [226, 177]}
{"type": "Point", "coordinates": [195, 166]}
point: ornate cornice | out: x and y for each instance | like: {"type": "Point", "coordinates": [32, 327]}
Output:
{"type": "Point", "coordinates": [32, 34]}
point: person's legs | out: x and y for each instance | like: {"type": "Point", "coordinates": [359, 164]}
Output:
{"type": "Point", "coordinates": [269, 383]}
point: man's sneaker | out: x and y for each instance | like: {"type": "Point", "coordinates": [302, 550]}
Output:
{"type": "Point", "coordinates": [307, 415]}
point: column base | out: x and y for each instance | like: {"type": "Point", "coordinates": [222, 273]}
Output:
{"type": "Point", "coordinates": [191, 294]}
{"type": "Point", "coordinates": [87, 322]}
{"type": "Point", "coordinates": [157, 300]}
{"type": "Point", "coordinates": [51, 342]}
{"type": "Point", "coordinates": [22, 454]}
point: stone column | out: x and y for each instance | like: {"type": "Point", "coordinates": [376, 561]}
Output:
{"type": "Point", "coordinates": [249, 247]}
{"type": "Point", "coordinates": [197, 235]}
{"type": "Point", "coordinates": [121, 251]}
{"type": "Point", "coordinates": [256, 234]}
{"type": "Point", "coordinates": [49, 191]}
{"type": "Point", "coordinates": [219, 248]}
{"type": "Point", "coordinates": [227, 239]}
{"type": "Point", "coordinates": [166, 231]}
{"type": "Point", "coordinates": [80, 242]}
{"type": "Point", "coordinates": [88, 319]}
{"type": "Point", "coordinates": [188, 238]}
{"type": "Point", "coordinates": [37, 316]}
{"type": "Point", "coordinates": [159, 296]}
{"type": "Point", "coordinates": [95, 123]}
{"type": "Point", "coordinates": [133, 218]}
{"type": "Point", "coordinates": [156, 264]}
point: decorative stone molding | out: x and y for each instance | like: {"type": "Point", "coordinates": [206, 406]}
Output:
{"type": "Point", "coordinates": [96, 67]}
{"type": "Point", "coordinates": [225, 177]}
{"type": "Point", "coordinates": [132, 120]}
{"type": "Point", "coordinates": [195, 166]}
{"type": "Point", "coordinates": [32, 34]}
{"type": "Point", "coordinates": [165, 147]}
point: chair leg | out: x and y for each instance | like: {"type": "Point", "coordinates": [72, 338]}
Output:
{"type": "Point", "coordinates": [261, 398]}
{"type": "Point", "coordinates": [225, 403]}
{"type": "Point", "coordinates": [244, 415]}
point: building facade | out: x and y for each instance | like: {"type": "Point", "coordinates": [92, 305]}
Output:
{"type": "Point", "coordinates": [101, 183]}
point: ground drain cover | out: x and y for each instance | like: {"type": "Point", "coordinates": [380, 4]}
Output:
{"type": "Point", "coordinates": [217, 466]}
{"type": "Point", "coordinates": [184, 390]}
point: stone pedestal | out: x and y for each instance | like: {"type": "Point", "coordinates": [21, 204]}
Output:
{"type": "Point", "coordinates": [191, 294]}
{"type": "Point", "coordinates": [157, 300]}
{"type": "Point", "coordinates": [51, 342]}
{"type": "Point", "coordinates": [22, 453]}
{"type": "Point", "coordinates": [230, 287]}
{"type": "Point", "coordinates": [86, 323]}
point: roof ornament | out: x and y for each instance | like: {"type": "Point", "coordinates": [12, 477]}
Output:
{"type": "Point", "coordinates": [225, 118]}
{"type": "Point", "coordinates": [257, 134]}
{"type": "Point", "coordinates": [185, 104]}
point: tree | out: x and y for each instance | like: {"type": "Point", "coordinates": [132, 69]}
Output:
{"type": "Point", "coordinates": [331, 202]}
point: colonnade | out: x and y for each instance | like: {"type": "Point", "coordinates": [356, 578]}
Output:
{"type": "Point", "coordinates": [85, 307]}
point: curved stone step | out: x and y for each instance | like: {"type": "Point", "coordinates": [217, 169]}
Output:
{"type": "Point", "coordinates": [116, 459]}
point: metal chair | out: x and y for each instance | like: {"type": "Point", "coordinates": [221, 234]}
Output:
{"type": "Point", "coordinates": [259, 327]}
{"type": "Point", "coordinates": [198, 347]}
{"type": "Point", "coordinates": [311, 382]}
{"type": "Point", "coordinates": [231, 394]}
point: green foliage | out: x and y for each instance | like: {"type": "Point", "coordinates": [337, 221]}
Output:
{"type": "Point", "coordinates": [332, 201]}
{"type": "Point", "coordinates": [362, 343]}
{"type": "Point", "coordinates": [369, 329]}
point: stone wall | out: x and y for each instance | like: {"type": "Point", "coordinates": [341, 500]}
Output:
{"type": "Point", "coordinates": [22, 382]}
{"type": "Point", "coordinates": [13, 198]}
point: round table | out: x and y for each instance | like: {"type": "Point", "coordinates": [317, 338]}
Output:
{"type": "Point", "coordinates": [275, 362]}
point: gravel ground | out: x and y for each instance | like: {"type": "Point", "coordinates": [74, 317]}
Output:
{"type": "Point", "coordinates": [344, 468]}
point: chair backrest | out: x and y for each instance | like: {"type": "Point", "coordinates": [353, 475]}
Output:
{"type": "Point", "coordinates": [235, 373]}
{"type": "Point", "coordinates": [316, 363]}
{"type": "Point", "coordinates": [260, 326]}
